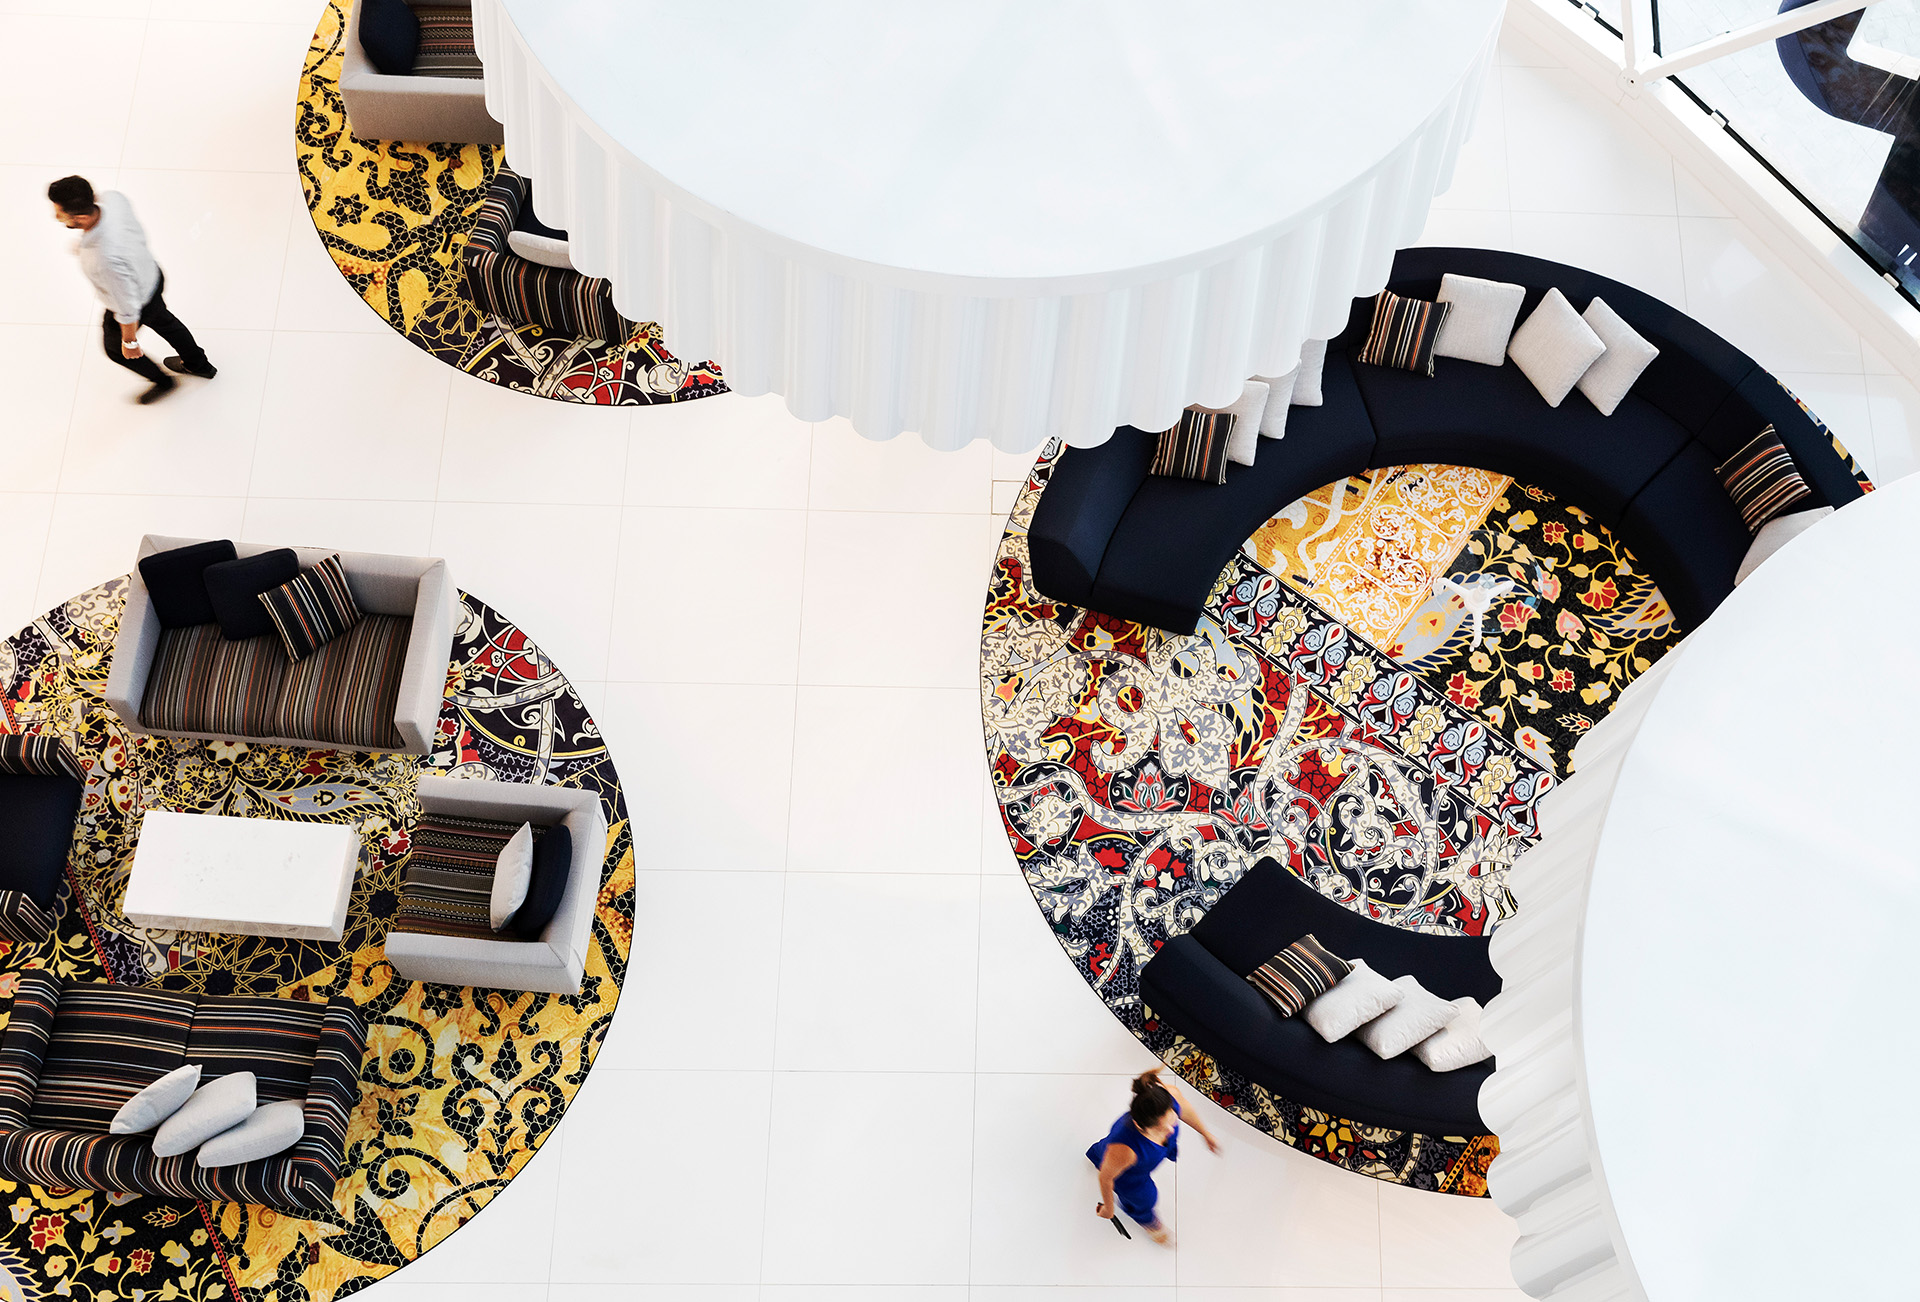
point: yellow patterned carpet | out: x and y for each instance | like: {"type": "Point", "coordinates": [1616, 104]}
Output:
{"type": "Point", "coordinates": [459, 1086]}
{"type": "Point", "coordinates": [394, 216]}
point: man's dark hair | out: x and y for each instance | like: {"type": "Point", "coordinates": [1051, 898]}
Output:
{"type": "Point", "coordinates": [74, 194]}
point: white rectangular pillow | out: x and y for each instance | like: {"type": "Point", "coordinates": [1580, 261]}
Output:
{"type": "Point", "coordinates": [1361, 996]}
{"type": "Point", "coordinates": [1481, 322]}
{"type": "Point", "coordinates": [1607, 380]}
{"type": "Point", "coordinates": [270, 1128]}
{"type": "Point", "coordinates": [512, 877]}
{"type": "Point", "coordinates": [1553, 348]}
{"type": "Point", "coordinates": [1273, 417]}
{"type": "Point", "coordinates": [1419, 1014]}
{"type": "Point", "coordinates": [1774, 534]}
{"type": "Point", "coordinates": [543, 249]}
{"type": "Point", "coordinates": [221, 1103]}
{"type": "Point", "coordinates": [1246, 411]}
{"type": "Point", "coordinates": [1459, 1044]}
{"type": "Point", "coordinates": [162, 1099]}
{"type": "Point", "coordinates": [1306, 376]}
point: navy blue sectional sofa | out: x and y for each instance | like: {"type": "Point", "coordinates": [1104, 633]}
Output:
{"type": "Point", "coordinates": [1107, 535]}
{"type": "Point", "coordinates": [1197, 985]}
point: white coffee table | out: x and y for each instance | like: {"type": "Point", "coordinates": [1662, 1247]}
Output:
{"type": "Point", "coordinates": [254, 876]}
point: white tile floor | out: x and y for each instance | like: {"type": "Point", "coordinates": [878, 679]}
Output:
{"type": "Point", "coordinates": [852, 1064]}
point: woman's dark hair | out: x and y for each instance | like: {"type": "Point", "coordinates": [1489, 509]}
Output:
{"type": "Point", "coordinates": [1151, 1101]}
{"type": "Point", "coordinates": [74, 194]}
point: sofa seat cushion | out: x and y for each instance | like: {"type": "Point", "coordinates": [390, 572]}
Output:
{"type": "Point", "coordinates": [202, 682]}
{"type": "Point", "coordinates": [1191, 991]}
{"type": "Point", "coordinates": [36, 814]}
{"type": "Point", "coordinates": [345, 693]}
{"type": "Point", "coordinates": [1176, 535]}
{"type": "Point", "coordinates": [1493, 419]}
{"type": "Point", "coordinates": [275, 1039]}
{"type": "Point", "coordinates": [1688, 535]}
{"type": "Point", "coordinates": [107, 1044]}
{"type": "Point", "coordinates": [1087, 490]}
{"type": "Point", "coordinates": [448, 889]}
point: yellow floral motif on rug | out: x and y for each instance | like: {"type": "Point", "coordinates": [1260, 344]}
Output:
{"type": "Point", "coordinates": [1369, 548]}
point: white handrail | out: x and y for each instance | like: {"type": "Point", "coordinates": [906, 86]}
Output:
{"type": "Point", "coordinates": [1693, 56]}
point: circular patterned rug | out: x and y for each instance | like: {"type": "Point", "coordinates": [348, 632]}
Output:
{"type": "Point", "coordinates": [459, 1086]}
{"type": "Point", "coordinates": [394, 216]}
{"type": "Point", "coordinates": [1332, 711]}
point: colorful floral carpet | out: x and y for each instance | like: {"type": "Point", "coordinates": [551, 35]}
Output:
{"type": "Point", "coordinates": [1330, 711]}
{"type": "Point", "coordinates": [1337, 709]}
{"type": "Point", "coordinates": [394, 216]}
{"type": "Point", "coordinates": [459, 1087]}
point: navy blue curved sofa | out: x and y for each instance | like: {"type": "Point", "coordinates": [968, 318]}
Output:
{"type": "Point", "coordinates": [1197, 986]}
{"type": "Point", "coordinates": [1108, 536]}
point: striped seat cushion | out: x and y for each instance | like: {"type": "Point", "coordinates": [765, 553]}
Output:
{"type": "Point", "coordinates": [107, 1044]}
{"type": "Point", "coordinates": [1762, 479]}
{"type": "Point", "coordinates": [275, 1039]}
{"type": "Point", "coordinates": [1299, 974]}
{"type": "Point", "coordinates": [1404, 332]}
{"type": "Point", "coordinates": [344, 693]}
{"type": "Point", "coordinates": [446, 42]}
{"type": "Point", "coordinates": [449, 884]}
{"type": "Point", "coordinates": [201, 682]}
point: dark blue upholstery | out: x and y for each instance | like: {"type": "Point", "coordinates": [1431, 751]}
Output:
{"type": "Point", "coordinates": [1075, 519]}
{"type": "Point", "coordinates": [1197, 984]}
{"type": "Point", "coordinates": [1688, 537]}
{"type": "Point", "coordinates": [1150, 550]}
{"type": "Point", "coordinates": [36, 832]}
{"type": "Point", "coordinates": [1166, 586]}
{"type": "Point", "coordinates": [1597, 462]}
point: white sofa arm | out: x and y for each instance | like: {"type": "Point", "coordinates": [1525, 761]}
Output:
{"type": "Point", "coordinates": [423, 679]}
{"type": "Point", "coordinates": [135, 645]}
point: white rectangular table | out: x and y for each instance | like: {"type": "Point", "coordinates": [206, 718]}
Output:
{"type": "Point", "coordinates": [254, 876]}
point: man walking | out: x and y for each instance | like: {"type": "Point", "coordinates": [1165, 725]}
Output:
{"type": "Point", "coordinates": [114, 254]}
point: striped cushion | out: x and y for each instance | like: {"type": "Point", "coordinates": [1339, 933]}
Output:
{"type": "Point", "coordinates": [275, 1039]}
{"type": "Point", "coordinates": [23, 1049]}
{"type": "Point", "coordinates": [23, 920]}
{"type": "Point", "coordinates": [449, 884]}
{"type": "Point", "coordinates": [1196, 448]}
{"type": "Point", "coordinates": [1299, 974]}
{"type": "Point", "coordinates": [523, 292]}
{"type": "Point", "coordinates": [201, 682]}
{"type": "Point", "coordinates": [108, 1043]}
{"type": "Point", "coordinates": [1762, 479]}
{"type": "Point", "coordinates": [344, 694]}
{"type": "Point", "coordinates": [1404, 333]}
{"type": "Point", "coordinates": [313, 608]}
{"type": "Point", "coordinates": [446, 42]}
{"type": "Point", "coordinates": [38, 755]}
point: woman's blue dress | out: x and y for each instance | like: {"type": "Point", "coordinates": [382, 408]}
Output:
{"type": "Point", "coordinates": [1134, 1190]}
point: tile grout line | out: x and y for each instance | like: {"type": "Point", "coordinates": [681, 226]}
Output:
{"type": "Point", "coordinates": [786, 855]}
{"type": "Point", "coordinates": [260, 417]}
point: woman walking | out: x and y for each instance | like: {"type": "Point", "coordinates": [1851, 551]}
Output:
{"type": "Point", "coordinates": [1147, 1134]}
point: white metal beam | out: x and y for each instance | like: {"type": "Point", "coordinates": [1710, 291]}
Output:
{"type": "Point", "coordinates": [1693, 56]}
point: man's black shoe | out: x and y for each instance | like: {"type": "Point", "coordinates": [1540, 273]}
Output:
{"type": "Point", "coordinates": [179, 367]}
{"type": "Point", "coordinates": [157, 391]}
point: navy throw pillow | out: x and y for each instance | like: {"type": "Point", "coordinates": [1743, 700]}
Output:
{"type": "Point", "coordinates": [176, 583]}
{"type": "Point", "coordinates": [552, 861]}
{"type": "Point", "coordinates": [234, 588]}
{"type": "Point", "coordinates": [390, 34]}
